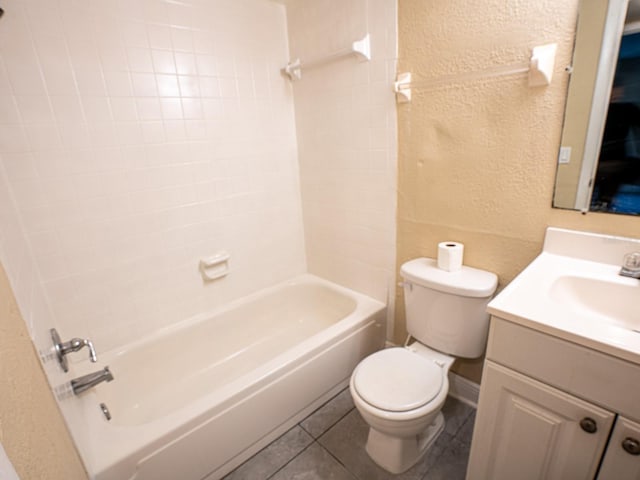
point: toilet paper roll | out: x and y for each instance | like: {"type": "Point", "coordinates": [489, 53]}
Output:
{"type": "Point", "coordinates": [450, 256]}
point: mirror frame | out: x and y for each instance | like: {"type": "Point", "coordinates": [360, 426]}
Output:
{"type": "Point", "coordinates": [612, 17]}
{"type": "Point", "coordinates": [611, 39]}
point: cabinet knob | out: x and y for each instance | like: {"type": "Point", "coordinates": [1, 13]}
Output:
{"type": "Point", "coordinates": [631, 445]}
{"type": "Point", "coordinates": [589, 425]}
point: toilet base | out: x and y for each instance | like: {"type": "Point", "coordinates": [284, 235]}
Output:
{"type": "Point", "coordinates": [398, 454]}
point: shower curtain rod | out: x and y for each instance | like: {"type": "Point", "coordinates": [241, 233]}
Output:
{"type": "Point", "coordinates": [539, 70]}
{"type": "Point", "coordinates": [503, 71]}
{"type": "Point", "coordinates": [361, 48]}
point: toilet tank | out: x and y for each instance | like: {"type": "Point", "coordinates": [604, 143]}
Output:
{"type": "Point", "coordinates": [447, 310]}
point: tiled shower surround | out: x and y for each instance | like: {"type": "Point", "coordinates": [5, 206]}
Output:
{"type": "Point", "coordinates": [139, 136]}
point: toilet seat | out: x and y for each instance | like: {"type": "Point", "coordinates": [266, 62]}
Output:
{"type": "Point", "coordinates": [397, 380]}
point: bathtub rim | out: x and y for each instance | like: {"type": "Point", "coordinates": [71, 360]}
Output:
{"type": "Point", "coordinates": [305, 278]}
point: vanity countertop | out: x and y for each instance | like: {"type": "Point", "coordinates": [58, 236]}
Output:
{"type": "Point", "coordinates": [573, 291]}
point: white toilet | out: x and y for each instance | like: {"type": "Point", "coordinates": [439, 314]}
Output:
{"type": "Point", "coordinates": [400, 391]}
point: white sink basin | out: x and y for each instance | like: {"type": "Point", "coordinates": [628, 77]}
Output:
{"type": "Point", "coordinates": [615, 301]}
{"type": "Point", "coordinates": [573, 290]}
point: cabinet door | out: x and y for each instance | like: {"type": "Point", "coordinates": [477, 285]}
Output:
{"type": "Point", "coordinates": [527, 430]}
{"type": "Point", "coordinates": [622, 459]}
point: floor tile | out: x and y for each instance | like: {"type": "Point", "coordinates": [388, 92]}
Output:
{"type": "Point", "coordinates": [346, 441]}
{"type": "Point", "coordinates": [339, 452]}
{"type": "Point", "coordinates": [452, 464]}
{"type": "Point", "coordinates": [455, 414]}
{"type": "Point", "coordinates": [315, 463]}
{"type": "Point", "coordinates": [326, 416]}
{"type": "Point", "coordinates": [466, 431]}
{"type": "Point", "coordinates": [273, 457]}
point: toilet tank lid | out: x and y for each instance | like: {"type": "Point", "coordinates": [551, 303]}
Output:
{"type": "Point", "coordinates": [467, 282]}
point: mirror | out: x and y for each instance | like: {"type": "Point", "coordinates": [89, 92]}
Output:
{"type": "Point", "coordinates": [599, 159]}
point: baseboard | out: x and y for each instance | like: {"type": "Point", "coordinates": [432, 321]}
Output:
{"type": "Point", "coordinates": [464, 390]}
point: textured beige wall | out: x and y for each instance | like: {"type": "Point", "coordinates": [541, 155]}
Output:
{"type": "Point", "coordinates": [477, 158]}
{"type": "Point", "coordinates": [32, 430]}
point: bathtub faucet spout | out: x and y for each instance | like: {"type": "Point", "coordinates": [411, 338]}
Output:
{"type": "Point", "coordinates": [86, 382]}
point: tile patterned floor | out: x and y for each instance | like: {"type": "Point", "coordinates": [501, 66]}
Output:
{"type": "Point", "coordinates": [329, 444]}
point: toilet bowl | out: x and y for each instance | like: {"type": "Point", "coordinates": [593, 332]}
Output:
{"type": "Point", "coordinates": [400, 391]}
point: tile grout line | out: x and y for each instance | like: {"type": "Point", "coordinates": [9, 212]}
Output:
{"type": "Point", "coordinates": [329, 427]}
{"type": "Point", "coordinates": [316, 440]}
{"type": "Point", "coordinates": [356, 477]}
{"type": "Point", "coordinates": [329, 451]}
{"type": "Point", "coordinates": [454, 438]}
{"type": "Point", "coordinates": [293, 458]}
{"type": "Point", "coordinates": [462, 424]}
{"type": "Point", "coordinates": [340, 462]}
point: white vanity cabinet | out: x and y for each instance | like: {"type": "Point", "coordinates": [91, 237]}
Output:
{"type": "Point", "coordinates": [528, 430]}
{"type": "Point", "coordinates": [622, 459]}
{"type": "Point", "coordinates": [552, 409]}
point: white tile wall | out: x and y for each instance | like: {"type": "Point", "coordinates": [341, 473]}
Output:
{"type": "Point", "coordinates": [346, 124]}
{"type": "Point", "coordinates": [135, 138]}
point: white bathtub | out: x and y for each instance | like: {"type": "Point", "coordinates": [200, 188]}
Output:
{"type": "Point", "coordinates": [198, 399]}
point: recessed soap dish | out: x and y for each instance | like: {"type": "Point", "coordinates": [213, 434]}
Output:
{"type": "Point", "coordinates": [214, 267]}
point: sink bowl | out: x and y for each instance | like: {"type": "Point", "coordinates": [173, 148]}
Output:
{"type": "Point", "coordinates": [572, 290]}
{"type": "Point", "coordinates": [614, 301]}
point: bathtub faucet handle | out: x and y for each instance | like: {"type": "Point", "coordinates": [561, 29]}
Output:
{"type": "Point", "coordinates": [76, 344]}
{"type": "Point", "coordinates": [73, 345]}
